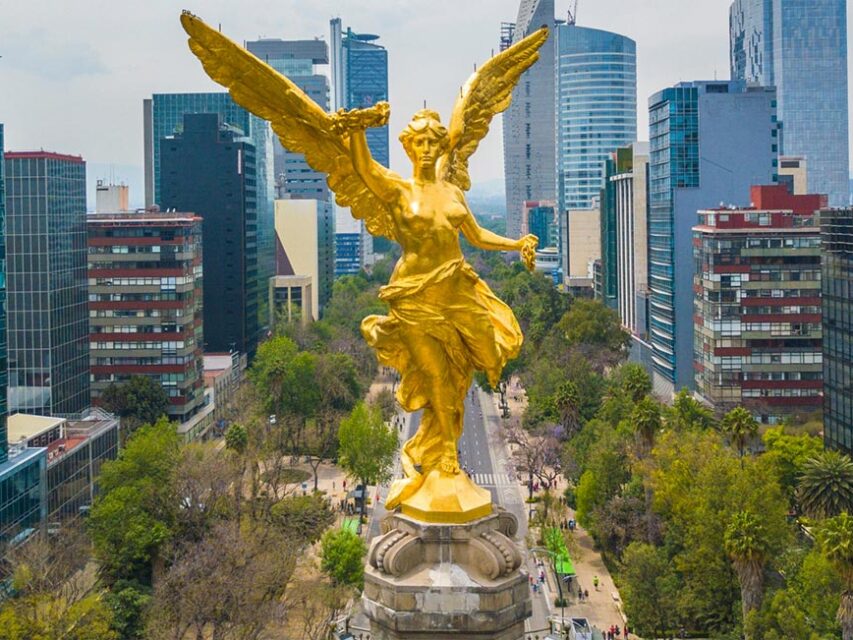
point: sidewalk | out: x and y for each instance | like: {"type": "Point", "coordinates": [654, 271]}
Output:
{"type": "Point", "coordinates": [603, 608]}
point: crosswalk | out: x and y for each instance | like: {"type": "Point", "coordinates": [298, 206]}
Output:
{"type": "Point", "coordinates": [492, 479]}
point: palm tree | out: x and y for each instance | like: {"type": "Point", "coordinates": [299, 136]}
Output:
{"type": "Point", "coordinates": [647, 422]}
{"type": "Point", "coordinates": [688, 413]}
{"type": "Point", "coordinates": [740, 427]}
{"type": "Point", "coordinates": [825, 487]}
{"type": "Point", "coordinates": [567, 402]}
{"type": "Point", "coordinates": [747, 546]}
{"type": "Point", "coordinates": [835, 537]}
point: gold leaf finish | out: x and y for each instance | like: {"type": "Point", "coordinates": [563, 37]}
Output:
{"type": "Point", "coordinates": [444, 322]}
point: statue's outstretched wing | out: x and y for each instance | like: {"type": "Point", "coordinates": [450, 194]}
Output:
{"type": "Point", "coordinates": [300, 124]}
{"type": "Point", "coordinates": [487, 92]}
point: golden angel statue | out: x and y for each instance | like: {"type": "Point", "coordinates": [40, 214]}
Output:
{"type": "Point", "coordinates": [444, 322]}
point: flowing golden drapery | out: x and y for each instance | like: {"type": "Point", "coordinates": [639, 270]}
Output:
{"type": "Point", "coordinates": [476, 331]}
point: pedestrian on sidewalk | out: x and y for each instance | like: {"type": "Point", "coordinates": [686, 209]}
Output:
{"type": "Point", "coordinates": [595, 582]}
{"type": "Point", "coordinates": [586, 594]}
{"type": "Point", "coordinates": [580, 594]}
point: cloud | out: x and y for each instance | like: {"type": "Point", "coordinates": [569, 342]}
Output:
{"type": "Point", "coordinates": [49, 56]}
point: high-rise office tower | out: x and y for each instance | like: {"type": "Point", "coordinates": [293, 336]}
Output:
{"type": "Point", "coordinates": [757, 308]}
{"type": "Point", "coordinates": [359, 80]}
{"type": "Point", "coordinates": [147, 319]}
{"type": "Point", "coordinates": [209, 169]}
{"type": "Point", "coordinates": [4, 380]}
{"type": "Point", "coordinates": [800, 47]}
{"type": "Point", "coordinates": [596, 107]}
{"type": "Point", "coordinates": [836, 230]}
{"type": "Point", "coordinates": [738, 133]}
{"type": "Point", "coordinates": [299, 61]}
{"type": "Point", "coordinates": [528, 123]}
{"type": "Point", "coordinates": [624, 249]}
{"type": "Point", "coordinates": [48, 318]}
{"type": "Point", "coordinates": [163, 116]}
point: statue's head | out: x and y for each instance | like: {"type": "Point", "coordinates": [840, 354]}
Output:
{"type": "Point", "coordinates": [425, 139]}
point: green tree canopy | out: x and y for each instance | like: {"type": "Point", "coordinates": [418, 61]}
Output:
{"type": "Point", "coordinates": [835, 536]}
{"type": "Point", "coordinates": [740, 427]}
{"type": "Point", "coordinates": [591, 322]}
{"type": "Point", "coordinates": [826, 485]}
{"type": "Point", "coordinates": [342, 557]}
{"type": "Point", "coordinates": [140, 400]}
{"type": "Point", "coordinates": [366, 445]}
{"type": "Point", "coordinates": [303, 518]}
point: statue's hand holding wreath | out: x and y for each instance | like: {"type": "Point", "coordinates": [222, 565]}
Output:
{"type": "Point", "coordinates": [344, 121]}
{"type": "Point", "coordinates": [527, 247]}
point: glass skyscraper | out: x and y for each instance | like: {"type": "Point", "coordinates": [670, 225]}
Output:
{"type": "Point", "coordinates": [164, 116]}
{"type": "Point", "coordinates": [297, 59]}
{"type": "Point", "coordinates": [737, 129]}
{"type": "Point", "coordinates": [596, 107]}
{"type": "Point", "coordinates": [800, 47]}
{"type": "Point", "coordinates": [4, 379]}
{"type": "Point", "coordinates": [359, 80]}
{"type": "Point", "coordinates": [48, 318]}
{"type": "Point", "coordinates": [209, 169]}
{"type": "Point", "coordinates": [528, 122]}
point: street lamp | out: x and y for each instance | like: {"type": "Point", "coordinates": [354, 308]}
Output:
{"type": "Point", "coordinates": [553, 557]}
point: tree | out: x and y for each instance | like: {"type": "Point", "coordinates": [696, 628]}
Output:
{"type": "Point", "coordinates": [826, 485]}
{"type": "Point", "coordinates": [649, 590]}
{"type": "Point", "coordinates": [567, 403]}
{"type": "Point", "coordinates": [366, 447]}
{"type": "Point", "coordinates": [342, 557]}
{"type": "Point", "coordinates": [128, 601]}
{"type": "Point", "coordinates": [237, 438]}
{"type": "Point", "coordinates": [53, 597]}
{"type": "Point", "coordinates": [632, 380]}
{"type": "Point", "coordinates": [646, 420]}
{"type": "Point", "coordinates": [140, 400]}
{"type": "Point", "coordinates": [740, 427]}
{"type": "Point", "coordinates": [789, 454]}
{"type": "Point", "coordinates": [228, 585]}
{"type": "Point", "coordinates": [387, 404]}
{"type": "Point", "coordinates": [835, 536]}
{"type": "Point", "coordinates": [303, 518]}
{"type": "Point", "coordinates": [591, 322]}
{"type": "Point", "coordinates": [747, 546]}
{"type": "Point", "coordinates": [688, 413]}
{"type": "Point", "coordinates": [137, 509]}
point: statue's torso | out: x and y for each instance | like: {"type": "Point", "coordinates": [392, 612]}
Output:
{"type": "Point", "coordinates": [427, 218]}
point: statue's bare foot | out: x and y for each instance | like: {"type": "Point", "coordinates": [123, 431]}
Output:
{"type": "Point", "coordinates": [449, 464]}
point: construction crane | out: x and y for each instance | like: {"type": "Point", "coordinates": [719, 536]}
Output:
{"type": "Point", "coordinates": [573, 12]}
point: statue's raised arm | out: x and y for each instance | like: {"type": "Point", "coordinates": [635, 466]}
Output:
{"type": "Point", "coordinates": [301, 125]}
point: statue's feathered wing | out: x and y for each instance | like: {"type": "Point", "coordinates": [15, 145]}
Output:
{"type": "Point", "coordinates": [487, 93]}
{"type": "Point", "coordinates": [300, 124]}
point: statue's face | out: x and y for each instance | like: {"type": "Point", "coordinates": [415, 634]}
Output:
{"type": "Point", "coordinates": [424, 150]}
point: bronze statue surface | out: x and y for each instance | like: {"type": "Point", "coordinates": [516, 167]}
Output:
{"type": "Point", "coordinates": [444, 322]}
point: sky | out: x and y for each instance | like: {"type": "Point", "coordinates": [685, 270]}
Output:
{"type": "Point", "coordinates": [73, 74]}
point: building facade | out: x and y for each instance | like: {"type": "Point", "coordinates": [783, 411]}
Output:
{"type": "Point", "coordinates": [737, 129]}
{"type": "Point", "coordinates": [596, 107]}
{"type": "Point", "coordinates": [305, 235]}
{"type": "Point", "coordinates": [164, 117]}
{"type": "Point", "coordinates": [301, 61]}
{"type": "Point", "coordinates": [47, 317]}
{"type": "Point", "coordinates": [210, 170]}
{"type": "Point", "coordinates": [757, 340]}
{"type": "Point", "coordinates": [145, 304]}
{"type": "Point", "coordinates": [528, 122]}
{"type": "Point", "coordinates": [630, 204]}
{"type": "Point", "coordinates": [800, 47]}
{"type": "Point", "coordinates": [4, 380]}
{"type": "Point", "coordinates": [580, 231]}
{"type": "Point", "coordinates": [836, 230]}
{"type": "Point", "coordinates": [359, 80]}
{"type": "Point", "coordinates": [539, 217]}
{"type": "Point", "coordinates": [76, 451]}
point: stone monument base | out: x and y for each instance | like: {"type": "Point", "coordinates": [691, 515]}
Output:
{"type": "Point", "coordinates": [446, 581]}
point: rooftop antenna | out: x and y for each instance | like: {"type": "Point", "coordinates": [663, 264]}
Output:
{"type": "Point", "coordinates": [424, 103]}
{"type": "Point", "coordinates": [573, 12]}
